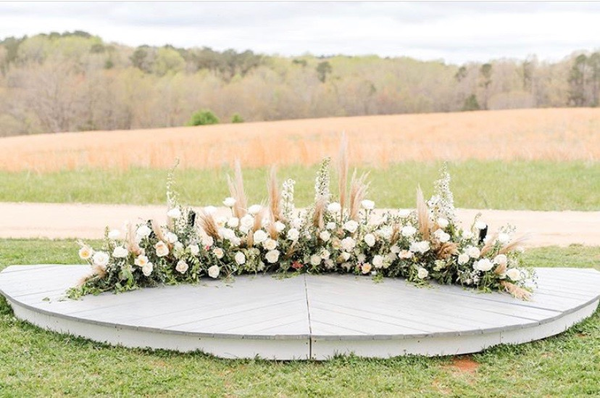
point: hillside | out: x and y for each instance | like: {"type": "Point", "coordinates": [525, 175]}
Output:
{"type": "Point", "coordinates": [550, 134]}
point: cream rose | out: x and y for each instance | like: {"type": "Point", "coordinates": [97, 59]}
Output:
{"type": "Point", "coordinates": [334, 207]}
{"type": "Point", "coordinates": [408, 231]}
{"type": "Point", "coordinates": [514, 274]}
{"type": "Point", "coordinates": [325, 236]}
{"type": "Point", "coordinates": [367, 204]}
{"type": "Point", "coordinates": [272, 256]}
{"type": "Point", "coordinates": [369, 240]}
{"type": "Point", "coordinates": [120, 252]}
{"type": "Point", "coordinates": [422, 273]}
{"type": "Point", "coordinates": [141, 260]}
{"type": "Point", "coordinates": [348, 244]}
{"type": "Point", "coordinates": [214, 271]}
{"type": "Point", "coordinates": [260, 236]}
{"type": "Point", "coordinates": [147, 269]}
{"type": "Point", "coordinates": [101, 259]}
{"type": "Point", "coordinates": [181, 267]}
{"type": "Point", "coordinates": [293, 234]}
{"type": "Point", "coordinates": [270, 244]}
{"type": "Point", "coordinates": [161, 248]}
{"type": "Point", "coordinates": [377, 261]}
{"type": "Point", "coordinates": [85, 252]}
{"type": "Point", "coordinates": [229, 202]}
{"type": "Point", "coordinates": [351, 226]}
{"type": "Point", "coordinates": [174, 213]}
{"type": "Point", "coordinates": [240, 258]}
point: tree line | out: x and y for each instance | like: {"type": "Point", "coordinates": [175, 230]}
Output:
{"type": "Point", "coordinates": [74, 81]}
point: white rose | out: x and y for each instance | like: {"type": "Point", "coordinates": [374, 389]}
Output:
{"type": "Point", "coordinates": [403, 213]}
{"type": "Point", "coordinates": [351, 226]}
{"type": "Point", "coordinates": [404, 254]}
{"type": "Point", "coordinates": [174, 213]}
{"type": "Point", "coordinates": [395, 249]}
{"type": "Point", "coordinates": [141, 261]}
{"type": "Point", "coordinates": [334, 207]}
{"type": "Point", "coordinates": [500, 259]}
{"type": "Point", "coordinates": [514, 274]}
{"type": "Point", "coordinates": [272, 256]}
{"type": "Point", "coordinates": [408, 231]}
{"type": "Point", "coordinates": [370, 240]}
{"type": "Point", "coordinates": [442, 222]}
{"type": "Point", "coordinates": [473, 252]}
{"type": "Point", "coordinates": [297, 223]}
{"type": "Point", "coordinates": [247, 221]}
{"type": "Point", "coordinates": [315, 259]}
{"type": "Point", "coordinates": [420, 247]}
{"type": "Point", "coordinates": [325, 254]}
{"type": "Point", "coordinates": [120, 252]}
{"type": "Point", "coordinates": [85, 252]}
{"type": "Point", "coordinates": [233, 222]}
{"type": "Point", "coordinates": [377, 261]}
{"type": "Point", "coordinates": [254, 209]}
{"type": "Point", "coordinates": [463, 258]}
{"type": "Point", "coordinates": [325, 236]}
{"type": "Point", "coordinates": [422, 273]}
{"type": "Point", "coordinates": [240, 258]}
{"type": "Point", "coordinates": [161, 249]}
{"type": "Point", "coordinates": [480, 225]}
{"type": "Point", "coordinates": [227, 233]}
{"type": "Point", "coordinates": [361, 257]}
{"type": "Point", "coordinates": [367, 204]}
{"type": "Point", "coordinates": [210, 210]}
{"type": "Point", "coordinates": [171, 237]}
{"type": "Point", "coordinates": [147, 269]}
{"type": "Point", "coordinates": [143, 231]}
{"type": "Point", "coordinates": [385, 232]}
{"type": "Point", "coordinates": [208, 241]}
{"type": "Point", "coordinates": [114, 234]}
{"type": "Point", "coordinates": [229, 202]}
{"type": "Point", "coordinates": [219, 253]}
{"type": "Point", "coordinates": [194, 250]}
{"type": "Point", "coordinates": [348, 244]}
{"type": "Point", "coordinates": [214, 271]}
{"type": "Point", "coordinates": [221, 221]}
{"type": "Point", "coordinates": [330, 225]}
{"type": "Point", "coordinates": [270, 244]}
{"type": "Point", "coordinates": [442, 236]}
{"type": "Point", "coordinates": [100, 259]}
{"type": "Point", "coordinates": [279, 226]}
{"type": "Point", "coordinates": [181, 267]}
{"type": "Point", "coordinates": [293, 234]}
{"type": "Point", "coordinates": [483, 265]}
{"type": "Point", "coordinates": [345, 256]}
{"type": "Point", "coordinates": [260, 236]}
{"type": "Point", "coordinates": [503, 238]}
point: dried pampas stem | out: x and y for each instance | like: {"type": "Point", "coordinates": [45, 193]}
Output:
{"type": "Point", "coordinates": [515, 290]}
{"type": "Point", "coordinates": [274, 196]}
{"type": "Point", "coordinates": [395, 234]}
{"type": "Point", "coordinates": [236, 189]}
{"type": "Point", "coordinates": [422, 214]}
{"type": "Point", "coordinates": [515, 244]}
{"type": "Point", "coordinates": [158, 231]}
{"type": "Point", "coordinates": [209, 225]}
{"type": "Point", "coordinates": [501, 269]}
{"type": "Point", "coordinates": [489, 244]}
{"type": "Point", "coordinates": [343, 172]}
{"type": "Point", "coordinates": [358, 191]}
{"type": "Point", "coordinates": [132, 245]}
{"type": "Point", "coordinates": [318, 221]}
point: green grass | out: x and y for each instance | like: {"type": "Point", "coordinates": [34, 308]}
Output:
{"type": "Point", "coordinates": [34, 362]}
{"type": "Point", "coordinates": [476, 184]}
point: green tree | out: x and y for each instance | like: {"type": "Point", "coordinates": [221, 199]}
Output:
{"type": "Point", "coordinates": [237, 118]}
{"type": "Point", "coordinates": [471, 104]}
{"type": "Point", "coordinates": [203, 117]}
{"type": "Point", "coordinates": [577, 79]}
{"type": "Point", "coordinates": [323, 68]}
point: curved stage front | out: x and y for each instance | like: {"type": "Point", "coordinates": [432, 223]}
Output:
{"type": "Point", "coordinates": [303, 316]}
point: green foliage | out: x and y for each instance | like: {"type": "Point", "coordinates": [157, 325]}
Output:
{"type": "Point", "coordinates": [323, 69]}
{"type": "Point", "coordinates": [237, 118]}
{"type": "Point", "coordinates": [471, 104]}
{"type": "Point", "coordinates": [202, 118]}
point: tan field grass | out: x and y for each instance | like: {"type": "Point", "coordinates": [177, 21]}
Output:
{"type": "Point", "coordinates": [529, 134]}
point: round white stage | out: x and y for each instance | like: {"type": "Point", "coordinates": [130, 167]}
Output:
{"type": "Point", "coordinates": [303, 316]}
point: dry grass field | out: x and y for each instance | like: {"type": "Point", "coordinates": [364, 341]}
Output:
{"type": "Point", "coordinates": [530, 134]}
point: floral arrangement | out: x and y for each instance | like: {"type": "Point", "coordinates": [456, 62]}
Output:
{"type": "Point", "coordinates": [346, 235]}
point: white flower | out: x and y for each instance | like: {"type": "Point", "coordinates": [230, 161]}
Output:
{"type": "Point", "coordinates": [501, 259]}
{"type": "Point", "coordinates": [221, 221]}
{"type": "Point", "coordinates": [272, 256]}
{"type": "Point", "coordinates": [420, 247]}
{"type": "Point", "coordinates": [483, 265]}
{"type": "Point", "coordinates": [480, 225]}
{"type": "Point", "coordinates": [348, 244]}
{"type": "Point", "coordinates": [114, 234]}
{"type": "Point", "coordinates": [442, 236]}
{"type": "Point", "coordinates": [85, 252]}
{"type": "Point", "coordinates": [161, 249]}
{"type": "Point", "coordinates": [334, 207]}
{"type": "Point", "coordinates": [325, 254]}
{"type": "Point", "coordinates": [315, 260]}
{"type": "Point", "coordinates": [422, 273]}
{"type": "Point", "coordinates": [473, 252]}
{"type": "Point", "coordinates": [330, 225]}
{"type": "Point", "coordinates": [254, 209]}
{"type": "Point", "coordinates": [293, 234]}
{"type": "Point", "coordinates": [101, 259]}
{"type": "Point", "coordinates": [233, 222]}
{"type": "Point", "coordinates": [297, 223]}
{"type": "Point", "coordinates": [240, 258]}
{"type": "Point", "coordinates": [143, 231]}
{"type": "Point", "coordinates": [270, 244]}
{"type": "Point", "coordinates": [219, 253]}
{"type": "Point", "coordinates": [120, 252]}
{"type": "Point", "coordinates": [361, 257]}
{"type": "Point", "coordinates": [279, 226]}
{"type": "Point", "coordinates": [194, 249]}
{"type": "Point", "coordinates": [181, 267]}
{"type": "Point", "coordinates": [367, 204]}
{"type": "Point", "coordinates": [503, 238]}
{"type": "Point", "coordinates": [366, 268]}
{"type": "Point", "coordinates": [171, 237]}
{"type": "Point", "coordinates": [210, 210]}
{"type": "Point", "coordinates": [404, 254]}
{"type": "Point", "coordinates": [385, 232]}
{"type": "Point", "coordinates": [147, 269]}
{"type": "Point", "coordinates": [325, 236]}
{"type": "Point", "coordinates": [370, 240]}
{"type": "Point", "coordinates": [227, 233]}
{"type": "Point", "coordinates": [463, 258]}
{"type": "Point", "coordinates": [260, 236]}
{"type": "Point", "coordinates": [247, 221]}
{"type": "Point", "coordinates": [174, 213]}
{"type": "Point", "coordinates": [351, 226]}
{"type": "Point", "coordinates": [141, 260]}
{"type": "Point", "coordinates": [208, 241]}
{"type": "Point", "coordinates": [514, 274]}
{"type": "Point", "coordinates": [178, 249]}
{"type": "Point", "coordinates": [345, 256]}
{"type": "Point", "coordinates": [329, 264]}
{"type": "Point", "coordinates": [378, 261]}
{"type": "Point", "coordinates": [442, 222]}
{"type": "Point", "coordinates": [408, 231]}
{"type": "Point", "coordinates": [404, 213]}
{"type": "Point", "coordinates": [395, 249]}
{"type": "Point", "coordinates": [229, 202]}
{"type": "Point", "coordinates": [467, 234]}
{"type": "Point", "coordinates": [214, 271]}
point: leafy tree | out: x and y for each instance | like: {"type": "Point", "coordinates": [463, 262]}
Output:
{"type": "Point", "coordinates": [237, 118]}
{"type": "Point", "coordinates": [471, 104]}
{"type": "Point", "coordinates": [203, 117]}
{"type": "Point", "coordinates": [577, 79]}
{"type": "Point", "coordinates": [323, 68]}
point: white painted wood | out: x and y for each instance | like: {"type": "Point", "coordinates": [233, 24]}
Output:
{"type": "Point", "coordinates": [301, 317]}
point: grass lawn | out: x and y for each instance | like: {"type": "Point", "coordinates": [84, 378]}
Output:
{"type": "Point", "coordinates": [535, 185]}
{"type": "Point", "coordinates": [39, 363]}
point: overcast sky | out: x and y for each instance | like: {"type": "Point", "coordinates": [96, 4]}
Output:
{"type": "Point", "coordinates": [454, 32]}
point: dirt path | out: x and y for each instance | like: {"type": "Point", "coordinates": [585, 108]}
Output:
{"type": "Point", "coordinates": [33, 220]}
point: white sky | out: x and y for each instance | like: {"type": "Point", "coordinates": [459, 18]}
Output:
{"type": "Point", "coordinates": [454, 32]}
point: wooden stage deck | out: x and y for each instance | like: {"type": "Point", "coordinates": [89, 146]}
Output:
{"type": "Point", "coordinates": [304, 316]}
